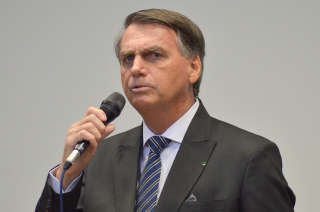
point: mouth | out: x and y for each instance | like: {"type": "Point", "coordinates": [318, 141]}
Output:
{"type": "Point", "coordinates": [140, 88]}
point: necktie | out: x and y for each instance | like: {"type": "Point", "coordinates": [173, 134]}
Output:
{"type": "Point", "coordinates": [149, 182]}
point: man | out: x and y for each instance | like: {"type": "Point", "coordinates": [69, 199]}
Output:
{"type": "Point", "coordinates": [203, 164]}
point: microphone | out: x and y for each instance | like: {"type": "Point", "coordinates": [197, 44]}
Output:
{"type": "Point", "coordinates": [112, 107]}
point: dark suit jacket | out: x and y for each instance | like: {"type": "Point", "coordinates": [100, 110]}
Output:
{"type": "Point", "coordinates": [225, 168]}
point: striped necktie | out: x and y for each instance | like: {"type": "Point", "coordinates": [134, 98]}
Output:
{"type": "Point", "coordinates": [149, 182]}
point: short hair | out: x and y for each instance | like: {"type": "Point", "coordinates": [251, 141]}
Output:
{"type": "Point", "coordinates": [189, 36]}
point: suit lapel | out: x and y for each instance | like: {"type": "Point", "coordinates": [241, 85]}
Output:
{"type": "Point", "coordinates": [196, 149]}
{"type": "Point", "coordinates": [126, 168]}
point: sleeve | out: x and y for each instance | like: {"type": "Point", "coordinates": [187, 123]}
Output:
{"type": "Point", "coordinates": [49, 199]}
{"type": "Point", "coordinates": [55, 183]}
{"type": "Point", "coordinates": [264, 187]}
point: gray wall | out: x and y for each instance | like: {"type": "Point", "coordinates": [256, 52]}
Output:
{"type": "Point", "coordinates": [56, 59]}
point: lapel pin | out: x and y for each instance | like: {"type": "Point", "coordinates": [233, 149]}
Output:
{"type": "Point", "coordinates": [203, 163]}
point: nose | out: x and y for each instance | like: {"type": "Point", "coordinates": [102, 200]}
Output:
{"type": "Point", "coordinates": [137, 67]}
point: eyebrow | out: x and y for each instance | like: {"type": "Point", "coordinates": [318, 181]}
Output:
{"type": "Point", "coordinates": [143, 51]}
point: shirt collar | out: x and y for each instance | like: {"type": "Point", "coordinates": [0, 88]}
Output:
{"type": "Point", "coordinates": [178, 129]}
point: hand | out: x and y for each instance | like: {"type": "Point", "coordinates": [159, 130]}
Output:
{"type": "Point", "coordinates": [89, 128]}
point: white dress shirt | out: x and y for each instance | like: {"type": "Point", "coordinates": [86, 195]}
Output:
{"type": "Point", "coordinates": [175, 132]}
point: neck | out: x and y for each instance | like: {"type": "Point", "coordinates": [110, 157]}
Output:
{"type": "Point", "coordinates": [159, 118]}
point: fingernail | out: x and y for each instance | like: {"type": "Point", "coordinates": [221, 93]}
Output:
{"type": "Point", "coordinates": [110, 127]}
{"type": "Point", "coordinates": [104, 117]}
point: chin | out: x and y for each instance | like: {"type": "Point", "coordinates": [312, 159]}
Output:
{"type": "Point", "coordinates": [141, 103]}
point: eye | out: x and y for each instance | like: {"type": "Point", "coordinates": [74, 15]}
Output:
{"type": "Point", "coordinates": [156, 55]}
{"type": "Point", "coordinates": [153, 56]}
{"type": "Point", "coordinates": [128, 59]}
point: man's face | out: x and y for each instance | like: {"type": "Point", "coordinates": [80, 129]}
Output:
{"type": "Point", "coordinates": [153, 71]}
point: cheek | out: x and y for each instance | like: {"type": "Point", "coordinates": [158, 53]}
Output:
{"type": "Point", "coordinates": [123, 77]}
{"type": "Point", "coordinates": [124, 83]}
{"type": "Point", "coordinates": [178, 80]}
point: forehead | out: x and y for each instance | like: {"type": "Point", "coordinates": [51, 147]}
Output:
{"type": "Point", "coordinates": [142, 36]}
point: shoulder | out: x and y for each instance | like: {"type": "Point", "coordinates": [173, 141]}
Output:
{"type": "Point", "coordinates": [111, 146]}
{"type": "Point", "coordinates": [134, 132]}
{"type": "Point", "coordinates": [127, 138]}
{"type": "Point", "coordinates": [232, 141]}
{"type": "Point", "coordinates": [240, 142]}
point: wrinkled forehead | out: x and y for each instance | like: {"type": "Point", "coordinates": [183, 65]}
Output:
{"type": "Point", "coordinates": [144, 36]}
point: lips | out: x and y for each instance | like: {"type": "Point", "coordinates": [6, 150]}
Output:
{"type": "Point", "coordinates": [137, 88]}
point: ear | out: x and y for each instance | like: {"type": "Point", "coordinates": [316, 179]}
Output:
{"type": "Point", "coordinates": [195, 69]}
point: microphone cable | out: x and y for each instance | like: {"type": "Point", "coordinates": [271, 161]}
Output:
{"type": "Point", "coordinates": [65, 168]}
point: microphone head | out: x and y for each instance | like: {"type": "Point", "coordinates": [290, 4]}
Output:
{"type": "Point", "coordinates": [112, 106]}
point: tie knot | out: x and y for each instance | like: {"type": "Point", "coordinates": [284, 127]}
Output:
{"type": "Point", "coordinates": [158, 143]}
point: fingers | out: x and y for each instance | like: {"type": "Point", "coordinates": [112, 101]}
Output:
{"type": "Point", "coordinates": [93, 114]}
{"type": "Point", "coordinates": [92, 135]}
{"type": "Point", "coordinates": [90, 128]}
{"type": "Point", "coordinates": [97, 112]}
{"type": "Point", "coordinates": [108, 130]}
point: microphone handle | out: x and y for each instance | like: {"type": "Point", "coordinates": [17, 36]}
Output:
{"type": "Point", "coordinates": [82, 145]}
{"type": "Point", "coordinates": [75, 154]}
{"type": "Point", "coordinates": [112, 107]}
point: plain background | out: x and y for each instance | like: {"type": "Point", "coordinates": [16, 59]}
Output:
{"type": "Point", "coordinates": [56, 59]}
